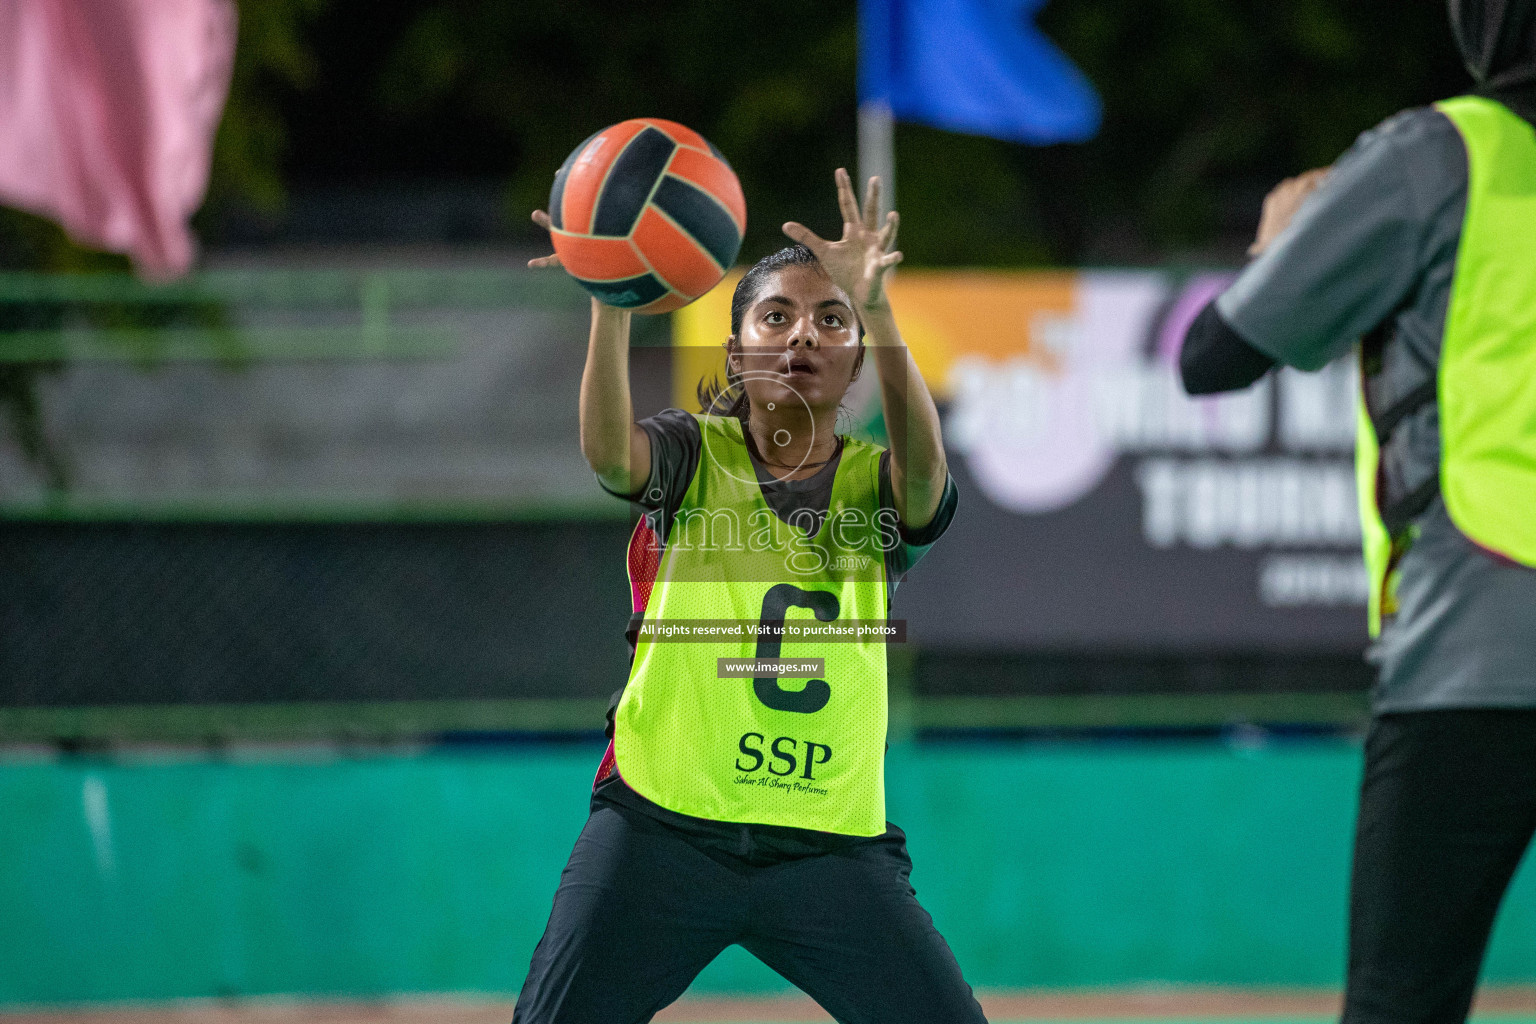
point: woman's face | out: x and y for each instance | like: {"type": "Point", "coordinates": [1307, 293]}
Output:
{"type": "Point", "coordinates": [799, 342]}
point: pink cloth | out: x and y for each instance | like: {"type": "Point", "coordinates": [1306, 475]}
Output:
{"type": "Point", "coordinates": [107, 115]}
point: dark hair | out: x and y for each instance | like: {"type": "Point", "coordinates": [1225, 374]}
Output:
{"type": "Point", "coordinates": [711, 393]}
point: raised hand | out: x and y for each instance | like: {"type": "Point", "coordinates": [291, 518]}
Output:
{"type": "Point", "coordinates": [859, 261]}
{"type": "Point", "coordinates": [552, 260]}
{"type": "Point", "coordinates": [1282, 204]}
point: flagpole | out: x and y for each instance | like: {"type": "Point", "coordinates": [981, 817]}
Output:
{"type": "Point", "coordinates": [877, 150]}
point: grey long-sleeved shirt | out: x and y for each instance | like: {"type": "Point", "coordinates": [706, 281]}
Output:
{"type": "Point", "coordinates": [1378, 240]}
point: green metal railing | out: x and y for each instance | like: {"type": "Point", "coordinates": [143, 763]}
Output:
{"type": "Point", "coordinates": [235, 319]}
{"type": "Point", "coordinates": [295, 288]}
{"type": "Point", "coordinates": [413, 719]}
{"type": "Point", "coordinates": [215, 316]}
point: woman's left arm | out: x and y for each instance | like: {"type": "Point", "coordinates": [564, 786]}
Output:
{"type": "Point", "coordinates": [918, 468]}
{"type": "Point", "coordinates": [860, 263]}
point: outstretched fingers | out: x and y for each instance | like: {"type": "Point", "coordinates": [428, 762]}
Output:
{"type": "Point", "coordinates": [805, 236]}
{"type": "Point", "coordinates": [872, 204]}
{"type": "Point", "coordinates": [890, 259]}
{"type": "Point", "coordinates": [888, 233]}
{"type": "Point", "coordinates": [847, 202]}
{"type": "Point", "coordinates": [552, 260]}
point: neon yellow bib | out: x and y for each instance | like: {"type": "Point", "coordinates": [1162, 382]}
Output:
{"type": "Point", "coordinates": [793, 750]}
{"type": "Point", "coordinates": [1486, 387]}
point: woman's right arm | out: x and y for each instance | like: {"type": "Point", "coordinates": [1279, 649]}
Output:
{"type": "Point", "coordinates": [614, 445]}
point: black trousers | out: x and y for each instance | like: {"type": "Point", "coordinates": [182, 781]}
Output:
{"type": "Point", "coordinates": [1447, 808]}
{"type": "Point", "coordinates": [640, 911]}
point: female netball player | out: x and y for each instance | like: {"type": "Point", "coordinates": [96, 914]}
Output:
{"type": "Point", "coordinates": [750, 809]}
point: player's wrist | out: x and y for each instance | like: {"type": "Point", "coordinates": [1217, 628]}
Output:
{"type": "Point", "coordinates": [609, 321]}
{"type": "Point", "coordinates": [877, 303]}
{"type": "Point", "coordinates": [876, 312]}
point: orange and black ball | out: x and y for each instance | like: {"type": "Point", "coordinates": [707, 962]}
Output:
{"type": "Point", "coordinates": [647, 215]}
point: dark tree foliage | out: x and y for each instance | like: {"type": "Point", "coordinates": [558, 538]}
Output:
{"type": "Point", "coordinates": [272, 59]}
{"type": "Point", "coordinates": [476, 89]}
{"type": "Point", "coordinates": [1207, 104]}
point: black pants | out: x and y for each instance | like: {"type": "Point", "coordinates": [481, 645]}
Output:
{"type": "Point", "coordinates": [1447, 808]}
{"type": "Point", "coordinates": [641, 910]}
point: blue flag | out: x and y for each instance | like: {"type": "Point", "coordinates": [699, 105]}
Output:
{"type": "Point", "coordinates": [974, 66]}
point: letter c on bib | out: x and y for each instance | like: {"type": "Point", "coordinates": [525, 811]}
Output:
{"type": "Point", "coordinates": [779, 599]}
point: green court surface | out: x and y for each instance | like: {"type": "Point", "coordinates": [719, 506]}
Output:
{"type": "Point", "coordinates": [1133, 870]}
{"type": "Point", "coordinates": [1477, 1018]}
{"type": "Point", "coordinates": [1480, 1018]}
{"type": "Point", "coordinates": [1154, 1005]}
{"type": "Point", "coordinates": [1496, 1018]}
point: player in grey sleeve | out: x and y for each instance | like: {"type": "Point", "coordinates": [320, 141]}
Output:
{"type": "Point", "coordinates": [1377, 242]}
{"type": "Point", "coordinates": [1364, 254]}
